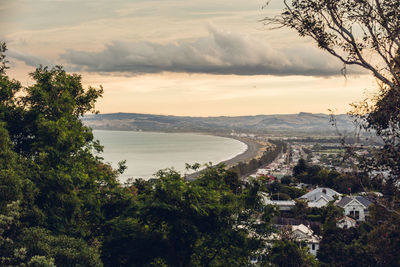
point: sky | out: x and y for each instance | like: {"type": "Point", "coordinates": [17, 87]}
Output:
{"type": "Point", "coordinates": [181, 57]}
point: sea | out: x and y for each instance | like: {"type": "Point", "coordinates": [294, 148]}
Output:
{"type": "Point", "coordinates": [148, 152]}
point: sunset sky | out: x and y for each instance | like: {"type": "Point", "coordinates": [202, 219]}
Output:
{"type": "Point", "coordinates": [193, 57]}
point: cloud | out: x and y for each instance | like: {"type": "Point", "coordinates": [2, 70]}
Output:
{"type": "Point", "coordinates": [28, 59]}
{"type": "Point", "coordinates": [219, 53]}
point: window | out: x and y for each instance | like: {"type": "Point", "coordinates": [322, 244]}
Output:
{"type": "Point", "coordinates": [313, 247]}
{"type": "Point", "coordinates": [357, 214]}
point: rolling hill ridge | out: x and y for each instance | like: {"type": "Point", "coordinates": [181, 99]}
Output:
{"type": "Point", "coordinates": [301, 122]}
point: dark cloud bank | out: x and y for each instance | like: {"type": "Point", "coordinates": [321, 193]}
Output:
{"type": "Point", "coordinates": [219, 53]}
{"type": "Point", "coordinates": [28, 59]}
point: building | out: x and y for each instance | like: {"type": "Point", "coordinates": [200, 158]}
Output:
{"type": "Point", "coordinates": [305, 235]}
{"type": "Point", "coordinates": [346, 222]}
{"type": "Point", "coordinates": [299, 233]}
{"type": "Point", "coordinates": [283, 205]}
{"type": "Point", "coordinates": [320, 197]}
{"type": "Point", "coordinates": [355, 207]}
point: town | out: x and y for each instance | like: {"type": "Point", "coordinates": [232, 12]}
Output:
{"type": "Point", "coordinates": [306, 182]}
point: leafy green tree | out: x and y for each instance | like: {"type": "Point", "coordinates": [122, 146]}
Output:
{"type": "Point", "coordinates": [47, 165]}
{"type": "Point", "coordinates": [11, 254]}
{"type": "Point", "coordinates": [22, 246]}
{"type": "Point", "coordinates": [300, 168]}
{"type": "Point", "coordinates": [280, 196]}
{"type": "Point", "coordinates": [287, 253]}
{"type": "Point", "coordinates": [300, 209]}
{"type": "Point", "coordinates": [286, 180]}
{"type": "Point", "coordinates": [181, 223]}
{"type": "Point", "coordinates": [12, 186]}
{"type": "Point", "coordinates": [13, 182]}
{"type": "Point", "coordinates": [64, 250]}
{"type": "Point", "coordinates": [58, 149]}
{"type": "Point", "coordinates": [342, 247]}
{"type": "Point", "coordinates": [372, 243]}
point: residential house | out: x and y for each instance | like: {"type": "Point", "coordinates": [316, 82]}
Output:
{"type": "Point", "coordinates": [355, 207]}
{"type": "Point", "coordinates": [320, 197]}
{"type": "Point", "coordinates": [299, 233]}
{"type": "Point", "coordinates": [283, 205]}
{"type": "Point", "coordinates": [305, 235]}
{"type": "Point", "coordinates": [346, 222]}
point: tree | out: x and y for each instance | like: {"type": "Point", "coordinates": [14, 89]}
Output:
{"type": "Point", "coordinates": [349, 30]}
{"type": "Point", "coordinates": [46, 131]}
{"type": "Point", "coordinates": [65, 250]}
{"type": "Point", "coordinates": [288, 253]}
{"type": "Point", "coordinates": [181, 223]}
{"type": "Point", "coordinates": [24, 246]}
{"type": "Point", "coordinates": [300, 168]}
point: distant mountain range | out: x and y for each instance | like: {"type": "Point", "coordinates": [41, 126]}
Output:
{"type": "Point", "coordinates": [301, 122]}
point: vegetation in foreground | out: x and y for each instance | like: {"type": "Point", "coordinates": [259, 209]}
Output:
{"type": "Point", "coordinates": [60, 205]}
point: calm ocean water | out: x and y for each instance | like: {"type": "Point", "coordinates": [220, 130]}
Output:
{"type": "Point", "coordinates": [148, 152]}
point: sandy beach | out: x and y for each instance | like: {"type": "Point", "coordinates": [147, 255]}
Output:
{"type": "Point", "coordinates": [251, 152]}
{"type": "Point", "coordinates": [253, 149]}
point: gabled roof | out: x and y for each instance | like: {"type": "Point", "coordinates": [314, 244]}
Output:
{"type": "Point", "coordinates": [364, 201]}
{"type": "Point", "coordinates": [317, 192]}
{"type": "Point", "coordinates": [267, 201]}
{"type": "Point", "coordinates": [319, 195]}
{"type": "Point", "coordinates": [346, 200]}
{"type": "Point", "coordinates": [317, 203]}
{"type": "Point", "coordinates": [302, 228]}
{"type": "Point", "coordinates": [347, 218]}
{"type": "Point", "coordinates": [307, 232]}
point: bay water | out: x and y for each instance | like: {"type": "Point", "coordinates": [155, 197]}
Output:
{"type": "Point", "coordinates": [147, 152]}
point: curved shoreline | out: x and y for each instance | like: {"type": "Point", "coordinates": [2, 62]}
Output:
{"type": "Point", "coordinates": [251, 152]}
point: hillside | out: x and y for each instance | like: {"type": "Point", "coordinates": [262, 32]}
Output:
{"type": "Point", "coordinates": [301, 122]}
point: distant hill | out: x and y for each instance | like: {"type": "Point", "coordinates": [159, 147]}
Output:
{"type": "Point", "coordinates": [302, 122]}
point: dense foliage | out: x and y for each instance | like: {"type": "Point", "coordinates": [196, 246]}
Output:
{"type": "Point", "coordinates": [316, 175]}
{"type": "Point", "coordinates": [373, 243]}
{"type": "Point", "coordinates": [60, 205]}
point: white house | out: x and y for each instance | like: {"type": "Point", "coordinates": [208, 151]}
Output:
{"type": "Point", "coordinates": [283, 205]}
{"type": "Point", "coordinates": [321, 201]}
{"type": "Point", "coordinates": [320, 196]}
{"type": "Point", "coordinates": [299, 233]}
{"type": "Point", "coordinates": [346, 222]}
{"type": "Point", "coordinates": [355, 207]}
{"type": "Point", "coordinates": [304, 234]}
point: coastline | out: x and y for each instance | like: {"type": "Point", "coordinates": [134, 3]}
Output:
{"type": "Point", "coordinates": [251, 152]}
{"type": "Point", "coordinates": [253, 149]}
